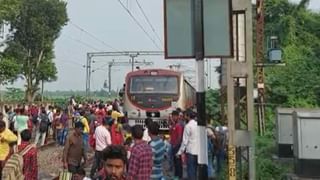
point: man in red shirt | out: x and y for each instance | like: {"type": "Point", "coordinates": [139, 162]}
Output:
{"type": "Point", "coordinates": [176, 132]}
{"type": "Point", "coordinates": [30, 162]}
{"type": "Point", "coordinates": [140, 162]}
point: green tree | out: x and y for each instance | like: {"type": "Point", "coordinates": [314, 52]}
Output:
{"type": "Point", "coordinates": [8, 71]}
{"type": "Point", "coordinates": [9, 9]}
{"type": "Point", "coordinates": [14, 94]}
{"type": "Point", "coordinates": [293, 85]}
{"type": "Point", "coordinates": [213, 104]}
{"type": "Point", "coordinates": [296, 84]}
{"type": "Point", "coordinates": [35, 29]}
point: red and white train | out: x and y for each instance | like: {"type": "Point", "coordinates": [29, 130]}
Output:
{"type": "Point", "coordinates": [155, 93]}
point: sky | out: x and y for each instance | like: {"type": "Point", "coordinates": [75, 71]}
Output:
{"type": "Point", "coordinates": [106, 26]}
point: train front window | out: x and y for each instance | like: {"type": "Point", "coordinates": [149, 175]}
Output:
{"type": "Point", "coordinates": [154, 84]}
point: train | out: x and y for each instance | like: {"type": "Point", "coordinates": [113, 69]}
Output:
{"type": "Point", "coordinates": [155, 93]}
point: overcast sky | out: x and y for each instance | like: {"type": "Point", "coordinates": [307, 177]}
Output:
{"type": "Point", "coordinates": [104, 25]}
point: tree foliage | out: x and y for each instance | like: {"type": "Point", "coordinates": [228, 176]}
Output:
{"type": "Point", "coordinates": [14, 94]}
{"type": "Point", "coordinates": [9, 9]}
{"type": "Point", "coordinates": [293, 85]}
{"type": "Point", "coordinates": [296, 84]}
{"type": "Point", "coordinates": [35, 29]}
{"type": "Point", "coordinates": [213, 104]}
{"type": "Point", "coordinates": [8, 71]}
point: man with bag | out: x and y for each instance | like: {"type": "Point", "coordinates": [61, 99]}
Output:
{"type": "Point", "coordinates": [30, 158]}
{"type": "Point", "coordinates": [42, 127]}
{"type": "Point", "coordinates": [74, 151]}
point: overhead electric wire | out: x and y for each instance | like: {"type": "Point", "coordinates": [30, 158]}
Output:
{"type": "Point", "coordinates": [93, 36]}
{"type": "Point", "coordinates": [70, 55]}
{"type": "Point", "coordinates": [101, 67]}
{"type": "Point", "coordinates": [83, 43]}
{"type": "Point", "coordinates": [146, 17]}
{"type": "Point", "coordinates": [69, 61]}
{"type": "Point", "coordinates": [137, 22]}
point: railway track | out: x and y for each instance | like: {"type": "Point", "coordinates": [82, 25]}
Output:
{"type": "Point", "coordinates": [50, 161]}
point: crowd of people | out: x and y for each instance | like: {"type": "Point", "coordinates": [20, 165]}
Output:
{"type": "Point", "coordinates": [120, 151]}
{"type": "Point", "coordinates": [22, 130]}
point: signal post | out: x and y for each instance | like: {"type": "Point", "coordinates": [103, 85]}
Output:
{"type": "Point", "coordinates": [240, 95]}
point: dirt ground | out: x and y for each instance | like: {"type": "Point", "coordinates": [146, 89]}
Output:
{"type": "Point", "coordinates": [50, 162]}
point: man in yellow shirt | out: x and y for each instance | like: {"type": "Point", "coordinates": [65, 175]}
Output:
{"type": "Point", "coordinates": [6, 137]}
{"type": "Point", "coordinates": [86, 130]}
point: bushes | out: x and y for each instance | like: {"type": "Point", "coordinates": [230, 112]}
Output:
{"type": "Point", "coordinates": [266, 166]}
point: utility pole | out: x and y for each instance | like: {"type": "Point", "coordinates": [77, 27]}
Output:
{"type": "Point", "coordinates": [109, 77]}
{"type": "Point", "coordinates": [260, 69]}
{"type": "Point", "coordinates": [131, 54]}
{"type": "Point", "coordinates": [200, 87]}
{"type": "Point", "coordinates": [88, 74]}
{"type": "Point", "coordinates": [241, 147]}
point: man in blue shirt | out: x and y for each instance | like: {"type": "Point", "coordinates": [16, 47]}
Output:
{"type": "Point", "coordinates": [158, 151]}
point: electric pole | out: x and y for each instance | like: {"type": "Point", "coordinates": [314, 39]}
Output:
{"type": "Point", "coordinates": [132, 56]}
{"type": "Point", "coordinates": [240, 110]}
{"type": "Point", "coordinates": [200, 88]}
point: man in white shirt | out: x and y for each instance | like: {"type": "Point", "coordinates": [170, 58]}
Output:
{"type": "Point", "coordinates": [190, 144]}
{"type": "Point", "coordinates": [51, 128]}
{"type": "Point", "coordinates": [103, 139]}
{"type": "Point", "coordinates": [146, 136]}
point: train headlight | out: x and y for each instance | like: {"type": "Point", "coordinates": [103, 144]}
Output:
{"type": "Point", "coordinates": [154, 73]}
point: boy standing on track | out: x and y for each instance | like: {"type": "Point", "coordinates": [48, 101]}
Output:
{"type": "Point", "coordinates": [74, 151]}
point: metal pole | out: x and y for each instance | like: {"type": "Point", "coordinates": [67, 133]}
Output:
{"type": "Point", "coordinates": [132, 62]}
{"type": "Point", "coordinates": [207, 74]}
{"type": "Point", "coordinates": [201, 111]}
{"type": "Point", "coordinates": [210, 74]}
{"type": "Point", "coordinates": [109, 77]}
{"type": "Point", "coordinates": [232, 171]}
{"type": "Point", "coordinates": [87, 76]}
{"type": "Point", "coordinates": [250, 109]}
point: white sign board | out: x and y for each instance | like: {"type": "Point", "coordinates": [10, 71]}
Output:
{"type": "Point", "coordinates": [179, 30]}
